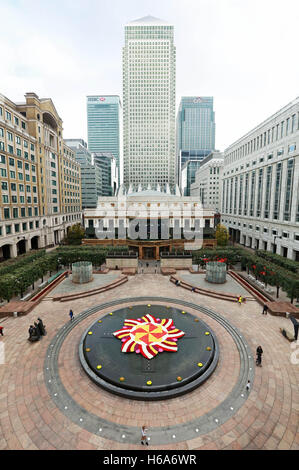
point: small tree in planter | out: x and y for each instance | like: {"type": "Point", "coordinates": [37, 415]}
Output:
{"type": "Point", "coordinates": [221, 235]}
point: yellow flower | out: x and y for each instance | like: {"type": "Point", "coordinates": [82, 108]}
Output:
{"type": "Point", "coordinates": [121, 379]}
{"type": "Point", "coordinates": [100, 321]}
{"type": "Point", "coordinates": [99, 367]}
{"type": "Point", "coordinates": [87, 349]}
{"type": "Point", "coordinates": [90, 332]}
{"type": "Point", "coordinates": [199, 364]}
{"type": "Point", "coordinates": [207, 333]}
{"type": "Point", "coordinates": [148, 305]}
{"type": "Point", "coordinates": [149, 382]}
{"type": "Point", "coordinates": [179, 378]}
{"type": "Point", "coordinates": [111, 313]}
{"type": "Point", "coordinates": [208, 348]}
{"type": "Point", "coordinates": [183, 311]}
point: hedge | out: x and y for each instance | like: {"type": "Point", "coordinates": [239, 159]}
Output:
{"type": "Point", "coordinates": [286, 263]}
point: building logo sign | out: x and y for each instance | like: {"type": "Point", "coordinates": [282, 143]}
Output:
{"type": "Point", "coordinates": [198, 100]}
{"type": "Point", "coordinates": [102, 99]}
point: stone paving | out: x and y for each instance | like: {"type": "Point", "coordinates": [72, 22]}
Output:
{"type": "Point", "coordinates": [229, 287]}
{"type": "Point", "coordinates": [69, 287]}
{"type": "Point", "coordinates": [31, 417]}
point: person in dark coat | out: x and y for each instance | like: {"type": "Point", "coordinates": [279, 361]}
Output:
{"type": "Point", "coordinates": [41, 327]}
{"type": "Point", "coordinates": [37, 332]}
{"type": "Point", "coordinates": [265, 309]}
{"type": "Point", "coordinates": [259, 353]}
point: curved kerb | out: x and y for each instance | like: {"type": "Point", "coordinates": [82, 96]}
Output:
{"type": "Point", "coordinates": [158, 435]}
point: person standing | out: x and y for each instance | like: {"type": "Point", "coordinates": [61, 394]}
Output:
{"type": "Point", "coordinates": [71, 315]}
{"type": "Point", "coordinates": [259, 352]}
{"type": "Point", "coordinates": [1, 330]}
{"type": "Point", "coordinates": [144, 436]}
{"type": "Point", "coordinates": [265, 309]}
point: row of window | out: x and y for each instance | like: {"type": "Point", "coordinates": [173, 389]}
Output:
{"type": "Point", "coordinates": [13, 119]}
{"type": "Point", "coordinates": [17, 212]}
{"type": "Point", "coordinates": [280, 152]}
{"type": "Point", "coordinates": [249, 193]}
{"type": "Point", "coordinates": [275, 133]}
{"type": "Point", "coordinates": [19, 227]}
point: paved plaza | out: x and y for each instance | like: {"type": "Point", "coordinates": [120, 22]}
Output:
{"type": "Point", "coordinates": [48, 402]}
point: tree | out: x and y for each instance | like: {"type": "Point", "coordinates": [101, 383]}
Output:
{"type": "Point", "coordinates": [221, 235]}
{"type": "Point", "coordinates": [75, 234]}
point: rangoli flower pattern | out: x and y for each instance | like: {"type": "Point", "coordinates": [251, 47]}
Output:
{"type": "Point", "coordinates": [149, 336]}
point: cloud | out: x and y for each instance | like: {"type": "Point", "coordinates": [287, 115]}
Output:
{"type": "Point", "coordinates": [242, 53]}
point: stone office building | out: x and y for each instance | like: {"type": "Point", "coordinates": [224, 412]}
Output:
{"type": "Point", "coordinates": [40, 194]}
{"type": "Point", "coordinates": [150, 220]}
{"type": "Point", "coordinates": [260, 191]}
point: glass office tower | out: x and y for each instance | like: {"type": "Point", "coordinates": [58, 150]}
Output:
{"type": "Point", "coordinates": [103, 125]}
{"type": "Point", "coordinates": [149, 102]}
{"type": "Point", "coordinates": [195, 129]}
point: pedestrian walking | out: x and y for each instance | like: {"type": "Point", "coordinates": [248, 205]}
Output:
{"type": "Point", "coordinates": [1, 330]}
{"type": "Point", "coordinates": [259, 352]}
{"type": "Point", "coordinates": [143, 436]}
{"type": "Point", "coordinates": [265, 309]}
{"type": "Point", "coordinates": [71, 315]}
{"type": "Point", "coordinates": [248, 385]}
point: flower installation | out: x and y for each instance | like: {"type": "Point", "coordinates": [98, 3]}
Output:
{"type": "Point", "coordinates": [149, 336]}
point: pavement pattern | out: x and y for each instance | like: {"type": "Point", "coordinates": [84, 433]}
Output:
{"type": "Point", "coordinates": [48, 402]}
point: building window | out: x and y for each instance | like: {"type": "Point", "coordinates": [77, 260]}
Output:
{"type": "Point", "coordinates": [259, 193]}
{"type": "Point", "coordinates": [277, 191]}
{"type": "Point", "coordinates": [252, 197]}
{"type": "Point", "coordinates": [268, 192]}
{"type": "Point", "coordinates": [246, 194]}
{"type": "Point", "coordinates": [240, 194]}
{"type": "Point", "coordinates": [289, 190]}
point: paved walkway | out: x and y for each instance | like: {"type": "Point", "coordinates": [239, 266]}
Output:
{"type": "Point", "coordinates": [31, 416]}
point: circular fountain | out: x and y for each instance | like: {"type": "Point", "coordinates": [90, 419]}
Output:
{"type": "Point", "coordinates": [216, 272]}
{"type": "Point", "coordinates": [82, 272]}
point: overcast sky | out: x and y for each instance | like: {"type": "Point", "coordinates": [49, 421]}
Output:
{"type": "Point", "coordinates": [244, 53]}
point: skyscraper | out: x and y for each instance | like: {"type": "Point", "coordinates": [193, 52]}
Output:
{"type": "Point", "coordinates": [195, 129]}
{"type": "Point", "coordinates": [104, 125]}
{"type": "Point", "coordinates": [149, 102]}
{"type": "Point", "coordinates": [91, 175]}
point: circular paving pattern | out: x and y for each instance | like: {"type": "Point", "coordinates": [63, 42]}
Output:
{"type": "Point", "coordinates": [93, 422]}
{"type": "Point", "coordinates": [149, 352]}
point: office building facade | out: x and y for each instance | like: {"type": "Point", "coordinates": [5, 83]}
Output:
{"type": "Point", "coordinates": [208, 180]}
{"type": "Point", "coordinates": [195, 129]}
{"type": "Point", "coordinates": [40, 191]}
{"type": "Point", "coordinates": [104, 121]}
{"type": "Point", "coordinates": [260, 191]}
{"type": "Point", "coordinates": [91, 175]}
{"type": "Point", "coordinates": [149, 77]}
{"type": "Point", "coordinates": [188, 176]}
{"type": "Point", "coordinates": [109, 171]}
